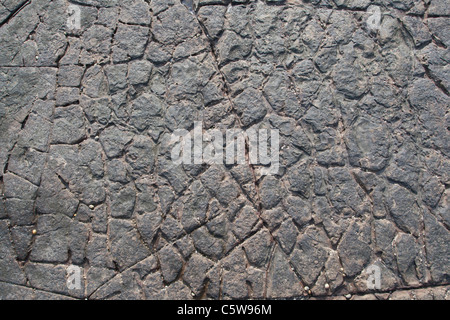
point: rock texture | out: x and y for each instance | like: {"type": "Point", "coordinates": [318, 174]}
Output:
{"type": "Point", "coordinates": [86, 177]}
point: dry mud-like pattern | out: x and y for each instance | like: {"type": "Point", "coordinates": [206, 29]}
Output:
{"type": "Point", "coordinates": [85, 124]}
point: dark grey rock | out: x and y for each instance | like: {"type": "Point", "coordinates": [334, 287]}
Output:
{"type": "Point", "coordinates": [195, 207]}
{"type": "Point", "coordinates": [19, 188]}
{"type": "Point", "coordinates": [282, 281]}
{"type": "Point", "coordinates": [436, 238]}
{"type": "Point", "coordinates": [117, 77]}
{"type": "Point", "coordinates": [195, 272]}
{"type": "Point", "coordinates": [286, 236]}
{"type": "Point", "coordinates": [207, 244]}
{"type": "Point", "coordinates": [246, 221]}
{"type": "Point", "coordinates": [171, 263]}
{"type": "Point", "coordinates": [368, 144]}
{"type": "Point", "coordinates": [113, 140]}
{"type": "Point", "coordinates": [139, 72]}
{"type": "Point", "coordinates": [404, 209]}
{"type": "Point", "coordinates": [175, 25]}
{"type": "Point", "coordinates": [148, 224]}
{"type": "Point", "coordinates": [354, 248]}
{"type": "Point", "coordinates": [407, 252]}
{"type": "Point", "coordinates": [310, 255]}
{"type": "Point", "coordinates": [69, 125]}
{"type": "Point", "coordinates": [70, 76]}
{"type": "Point", "coordinates": [126, 246]}
{"type": "Point", "coordinates": [10, 270]}
{"type": "Point", "coordinates": [270, 192]}
{"type": "Point", "coordinates": [298, 209]}
{"type": "Point", "coordinates": [135, 12]}
{"type": "Point", "coordinates": [258, 248]}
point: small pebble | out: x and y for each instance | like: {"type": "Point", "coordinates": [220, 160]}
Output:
{"type": "Point", "coordinates": [348, 296]}
{"type": "Point", "coordinates": [34, 231]}
{"type": "Point", "coordinates": [306, 288]}
{"type": "Point", "coordinates": [327, 286]}
{"type": "Point", "coordinates": [91, 206]}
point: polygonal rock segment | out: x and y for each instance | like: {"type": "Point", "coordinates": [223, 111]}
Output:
{"type": "Point", "coordinates": [246, 222]}
{"type": "Point", "coordinates": [148, 225]}
{"type": "Point", "coordinates": [135, 12]}
{"type": "Point", "coordinates": [94, 82]}
{"type": "Point", "coordinates": [404, 209]}
{"type": "Point", "coordinates": [368, 144]}
{"type": "Point", "coordinates": [123, 200]}
{"type": "Point", "coordinates": [350, 79]}
{"type": "Point", "coordinates": [232, 47]}
{"type": "Point", "coordinates": [407, 253]}
{"type": "Point", "coordinates": [195, 207]}
{"type": "Point", "coordinates": [54, 197]}
{"type": "Point", "coordinates": [171, 263]}
{"type": "Point", "coordinates": [405, 167]}
{"type": "Point", "coordinates": [346, 195]}
{"type": "Point", "coordinates": [282, 281]}
{"type": "Point", "coordinates": [27, 163]}
{"type": "Point", "coordinates": [189, 76]}
{"type": "Point", "coordinates": [213, 18]}
{"type": "Point", "coordinates": [139, 72]}
{"type": "Point", "coordinates": [438, 251]}
{"type": "Point", "coordinates": [431, 104]}
{"type": "Point", "coordinates": [69, 125]}
{"type": "Point", "coordinates": [354, 248]}
{"type": "Point", "coordinates": [175, 25]}
{"type": "Point", "coordinates": [141, 156]}
{"type": "Point", "coordinates": [270, 192]}
{"type": "Point", "coordinates": [195, 272]}
{"type": "Point", "coordinates": [97, 43]}
{"type": "Point", "coordinates": [258, 248]}
{"type": "Point", "coordinates": [147, 112]}
{"type": "Point", "coordinates": [286, 236]}
{"type": "Point", "coordinates": [439, 8]}
{"type": "Point", "coordinates": [127, 247]}
{"type": "Point", "coordinates": [56, 236]}
{"type": "Point", "coordinates": [129, 42]}
{"type": "Point", "coordinates": [9, 268]}
{"type": "Point", "coordinates": [52, 278]}
{"type": "Point", "coordinates": [207, 244]}
{"type": "Point", "coordinates": [310, 255]}
{"type": "Point", "coordinates": [280, 94]}
{"type": "Point", "coordinates": [114, 140]}
{"type": "Point", "coordinates": [117, 77]}
{"type": "Point", "coordinates": [385, 232]}
{"type": "Point", "coordinates": [17, 187]}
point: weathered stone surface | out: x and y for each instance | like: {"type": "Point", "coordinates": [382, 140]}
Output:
{"type": "Point", "coordinates": [127, 246]}
{"type": "Point", "coordinates": [86, 170]}
{"type": "Point", "coordinates": [10, 270]}
{"type": "Point", "coordinates": [436, 238]}
{"type": "Point", "coordinates": [195, 272]}
{"type": "Point", "coordinates": [171, 263]}
{"type": "Point", "coordinates": [368, 144]}
{"type": "Point", "coordinates": [354, 248]}
{"type": "Point", "coordinates": [283, 282]}
{"type": "Point", "coordinates": [310, 255]}
{"type": "Point", "coordinates": [403, 209]}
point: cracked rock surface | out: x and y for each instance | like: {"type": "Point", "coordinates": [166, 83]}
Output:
{"type": "Point", "coordinates": [86, 177]}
